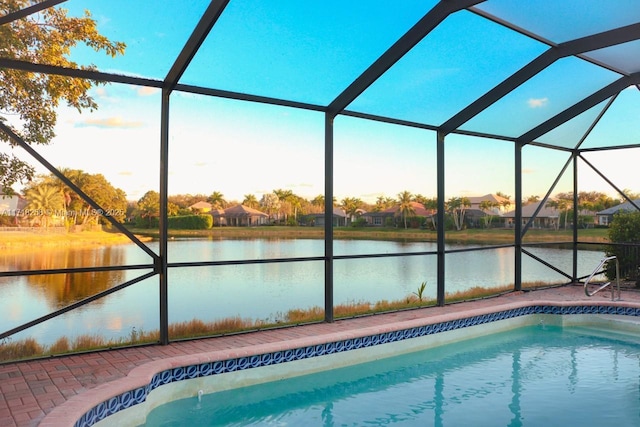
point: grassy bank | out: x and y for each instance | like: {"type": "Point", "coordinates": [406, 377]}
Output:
{"type": "Point", "coordinates": [47, 238]}
{"type": "Point", "coordinates": [475, 236]}
{"type": "Point", "coordinates": [43, 238]}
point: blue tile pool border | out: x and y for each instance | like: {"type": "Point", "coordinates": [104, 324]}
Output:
{"type": "Point", "coordinates": [139, 395]}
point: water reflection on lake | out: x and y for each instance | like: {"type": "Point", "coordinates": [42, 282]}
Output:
{"type": "Point", "coordinates": [254, 291]}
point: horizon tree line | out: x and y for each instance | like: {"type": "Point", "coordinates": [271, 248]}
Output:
{"type": "Point", "coordinates": [48, 193]}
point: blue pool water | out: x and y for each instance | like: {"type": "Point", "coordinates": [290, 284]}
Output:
{"type": "Point", "coordinates": [532, 376]}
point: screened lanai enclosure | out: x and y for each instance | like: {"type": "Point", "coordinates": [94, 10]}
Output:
{"type": "Point", "coordinates": [329, 101]}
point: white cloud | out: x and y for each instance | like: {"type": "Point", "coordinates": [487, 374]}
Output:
{"type": "Point", "coordinates": [147, 91]}
{"type": "Point", "coordinates": [537, 102]}
{"type": "Point", "coordinates": [109, 122]}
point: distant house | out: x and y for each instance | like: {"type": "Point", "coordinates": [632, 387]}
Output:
{"type": "Point", "coordinates": [500, 203]}
{"type": "Point", "coordinates": [379, 219]}
{"type": "Point", "coordinates": [475, 218]}
{"type": "Point", "coordinates": [606, 216]}
{"type": "Point", "coordinates": [547, 217]}
{"type": "Point", "coordinates": [340, 218]}
{"type": "Point", "coordinates": [201, 207]}
{"type": "Point", "coordinates": [239, 216]}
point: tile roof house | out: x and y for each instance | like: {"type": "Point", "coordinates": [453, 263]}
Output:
{"type": "Point", "coordinates": [548, 217]}
{"type": "Point", "coordinates": [606, 216]}
{"type": "Point", "coordinates": [340, 218]}
{"type": "Point", "coordinates": [239, 216]}
{"type": "Point", "coordinates": [502, 203]}
{"type": "Point", "coordinates": [201, 206]}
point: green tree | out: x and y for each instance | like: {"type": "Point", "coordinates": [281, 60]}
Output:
{"type": "Point", "coordinates": [624, 229]}
{"type": "Point", "coordinates": [217, 200]}
{"type": "Point", "coordinates": [173, 209]}
{"type": "Point", "coordinates": [565, 203]}
{"type": "Point", "coordinates": [296, 203]}
{"type": "Point", "coordinates": [457, 206]}
{"type": "Point", "coordinates": [183, 201]}
{"type": "Point", "coordinates": [30, 98]}
{"type": "Point", "coordinates": [44, 202]}
{"type": "Point", "coordinates": [66, 191]}
{"type": "Point", "coordinates": [486, 206]}
{"type": "Point", "coordinates": [383, 203]}
{"type": "Point", "coordinates": [250, 201]}
{"type": "Point", "coordinates": [595, 201]}
{"type": "Point", "coordinates": [78, 211]}
{"type": "Point", "coordinates": [562, 202]}
{"type": "Point", "coordinates": [318, 201]}
{"type": "Point", "coordinates": [288, 203]}
{"type": "Point", "coordinates": [351, 206]}
{"type": "Point", "coordinates": [431, 205]}
{"type": "Point", "coordinates": [149, 206]}
{"type": "Point", "coordinates": [406, 208]}
{"type": "Point", "coordinates": [270, 203]}
{"type": "Point", "coordinates": [99, 189]}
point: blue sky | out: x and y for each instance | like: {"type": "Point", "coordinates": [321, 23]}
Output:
{"type": "Point", "coordinates": [309, 52]}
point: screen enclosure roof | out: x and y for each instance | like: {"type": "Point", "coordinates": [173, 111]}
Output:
{"type": "Point", "coordinates": [562, 74]}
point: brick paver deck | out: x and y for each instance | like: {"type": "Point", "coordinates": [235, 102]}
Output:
{"type": "Point", "coordinates": [32, 389]}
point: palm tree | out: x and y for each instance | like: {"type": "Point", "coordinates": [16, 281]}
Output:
{"type": "Point", "coordinates": [296, 202]}
{"type": "Point", "coordinates": [532, 199]}
{"type": "Point", "coordinates": [44, 201]}
{"type": "Point", "coordinates": [486, 206]}
{"type": "Point", "coordinates": [270, 203]}
{"type": "Point", "coordinates": [406, 207]}
{"type": "Point", "coordinates": [149, 206]}
{"type": "Point", "coordinates": [351, 206]}
{"type": "Point", "coordinates": [217, 200]}
{"type": "Point", "coordinates": [287, 199]}
{"type": "Point", "coordinates": [250, 201]}
{"type": "Point", "coordinates": [431, 205]}
{"type": "Point", "coordinates": [562, 203]}
{"type": "Point", "coordinates": [318, 201]}
{"type": "Point", "coordinates": [77, 177]}
{"type": "Point", "coordinates": [457, 207]}
{"type": "Point", "coordinates": [383, 203]}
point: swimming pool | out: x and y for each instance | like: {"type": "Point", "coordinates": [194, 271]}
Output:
{"type": "Point", "coordinates": [127, 402]}
{"type": "Point", "coordinates": [537, 375]}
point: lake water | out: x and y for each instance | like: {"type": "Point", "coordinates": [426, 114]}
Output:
{"type": "Point", "coordinates": [254, 291]}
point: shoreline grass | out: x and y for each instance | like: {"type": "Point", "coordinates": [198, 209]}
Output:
{"type": "Point", "coordinates": [16, 240]}
{"type": "Point", "coordinates": [29, 348]}
{"type": "Point", "coordinates": [468, 236]}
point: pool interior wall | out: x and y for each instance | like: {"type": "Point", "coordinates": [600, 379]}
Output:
{"type": "Point", "coordinates": [209, 376]}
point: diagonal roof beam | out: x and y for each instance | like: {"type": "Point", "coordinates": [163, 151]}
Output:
{"type": "Point", "coordinates": [81, 73]}
{"type": "Point", "coordinates": [573, 47]}
{"type": "Point", "coordinates": [200, 33]}
{"type": "Point", "coordinates": [411, 38]}
{"type": "Point", "coordinates": [580, 107]}
{"type": "Point", "coordinates": [13, 16]}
